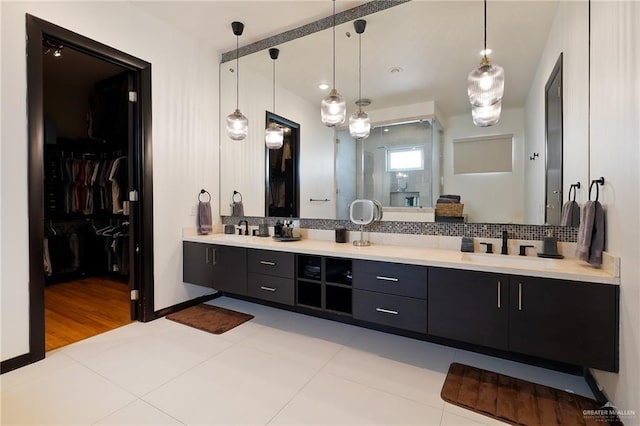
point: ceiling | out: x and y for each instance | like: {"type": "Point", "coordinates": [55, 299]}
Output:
{"type": "Point", "coordinates": [210, 21]}
{"type": "Point", "coordinates": [435, 43]}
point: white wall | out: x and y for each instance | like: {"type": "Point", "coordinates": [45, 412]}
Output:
{"type": "Point", "coordinates": [615, 155]}
{"type": "Point", "coordinates": [242, 163]}
{"type": "Point", "coordinates": [185, 157]}
{"type": "Point", "coordinates": [568, 35]}
{"type": "Point", "coordinates": [488, 197]}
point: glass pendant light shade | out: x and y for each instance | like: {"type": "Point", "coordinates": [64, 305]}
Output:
{"type": "Point", "coordinates": [485, 87]}
{"type": "Point", "coordinates": [333, 109]}
{"type": "Point", "coordinates": [359, 125]}
{"type": "Point", "coordinates": [486, 116]}
{"type": "Point", "coordinates": [274, 136]}
{"type": "Point", "coordinates": [237, 126]}
{"type": "Point", "coordinates": [485, 84]}
{"type": "Point", "coordinates": [359, 122]}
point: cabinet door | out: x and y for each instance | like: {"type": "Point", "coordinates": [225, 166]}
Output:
{"type": "Point", "coordinates": [229, 269]}
{"type": "Point", "coordinates": [468, 306]}
{"type": "Point", "coordinates": [197, 264]}
{"type": "Point", "coordinates": [565, 321]}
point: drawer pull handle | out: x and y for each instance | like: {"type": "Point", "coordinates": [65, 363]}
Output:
{"type": "Point", "coordinates": [499, 288]}
{"type": "Point", "coordinates": [383, 278]}
{"type": "Point", "coordinates": [268, 263]}
{"type": "Point", "coordinates": [265, 288]}
{"type": "Point", "coordinates": [387, 311]}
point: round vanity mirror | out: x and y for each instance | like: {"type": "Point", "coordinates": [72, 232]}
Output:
{"type": "Point", "coordinates": [364, 212]}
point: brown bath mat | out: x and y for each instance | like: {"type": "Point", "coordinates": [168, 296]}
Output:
{"type": "Point", "coordinates": [519, 402]}
{"type": "Point", "coordinates": [209, 318]}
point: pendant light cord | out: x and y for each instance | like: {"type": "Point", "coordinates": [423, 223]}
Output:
{"type": "Point", "coordinates": [237, 74]}
{"type": "Point", "coordinates": [334, 44]}
{"type": "Point", "coordinates": [360, 73]}
{"type": "Point", "coordinates": [485, 28]}
{"type": "Point", "coordinates": [274, 86]}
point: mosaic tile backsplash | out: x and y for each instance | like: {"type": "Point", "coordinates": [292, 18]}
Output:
{"type": "Point", "coordinates": [479, 230]}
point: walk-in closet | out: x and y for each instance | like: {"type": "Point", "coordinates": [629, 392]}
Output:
{"type": "Point", "coordinates": [86, 175]}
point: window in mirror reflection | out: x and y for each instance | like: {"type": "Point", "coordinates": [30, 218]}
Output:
{"type": "Point", "coordinates": [405, 159]}
{"type": "Point", "coordinates": [282, 188]}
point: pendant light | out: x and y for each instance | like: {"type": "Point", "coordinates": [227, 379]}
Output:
{"type": "Point", "coordinates": [486, 116]}
{"type": "Point", "coordinates": [359, 122]}
{"type": "Point", "coordinates": [237, 124]}
{"type": "Point", "coordinates": [274, 135]}
{"type": "Point", "coordinates": [485, 84]}
{"type": "Point", "coordinates": [333, 108]}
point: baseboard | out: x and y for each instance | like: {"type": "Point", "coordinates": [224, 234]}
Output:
{"type": "Point", "coordinates": [17, 362]}
{"type": "Point", "coordinates": [180, 306]}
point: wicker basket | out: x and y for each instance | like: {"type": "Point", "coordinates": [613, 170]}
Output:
{"type": "Point", "coordinates": [449, 209]}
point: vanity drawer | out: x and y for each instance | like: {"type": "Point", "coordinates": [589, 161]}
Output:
{"type": "Point", "coordinates": [396, 311]}
{"type": "Point", "coordinates": [276, 263]}
{"type": "Point", "coordinates": [272, 289]}
{"type": "Point", "coordinates": [390, 278]}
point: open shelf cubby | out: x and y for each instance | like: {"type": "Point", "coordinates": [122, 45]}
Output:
{"type": "Point", "coordinates": [324, 283]}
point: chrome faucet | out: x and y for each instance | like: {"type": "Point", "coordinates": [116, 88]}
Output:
{"type": "Point", "coordinates": [246, 226]}
{"type": "Point", "coordinates": [505, 242]}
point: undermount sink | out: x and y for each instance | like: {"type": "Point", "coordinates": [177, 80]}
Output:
{"type": "Point", "coordinates": [510, 261]}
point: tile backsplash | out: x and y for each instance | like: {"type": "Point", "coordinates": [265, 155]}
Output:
{"type": "Point", "coordinates": [478, 230]}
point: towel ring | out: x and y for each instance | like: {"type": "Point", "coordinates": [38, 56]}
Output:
{"type": "Point", "coordinates": [597, 183]}
{"type": "Point", "coordinates": [575, 187]}
{"type": "Point", "coordinates": [202, 191]}
{"type": "Point", "coordinates": [234, 197]}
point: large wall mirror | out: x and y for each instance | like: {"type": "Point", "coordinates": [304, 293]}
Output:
{"type": "Point", "coordinates": [415, 61]}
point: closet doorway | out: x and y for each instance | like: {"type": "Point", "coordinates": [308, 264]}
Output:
{"type": "Point", "coordinates": [90, 191]}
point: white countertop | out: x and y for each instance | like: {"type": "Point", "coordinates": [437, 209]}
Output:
{"type": "Point", "coordinates": [567, 269]}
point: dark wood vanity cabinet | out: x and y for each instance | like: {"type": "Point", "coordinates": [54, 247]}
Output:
{"type": "Point", "coordinates": [564, 321]}
{"type": "Point", "coordinates": [271, 276]}
{"type": "Point", "coordinates": [469, 306]}
{"type": "Point", "coordinates": [223, 268]}
{"type": "Point", "coordinates": [390, 294]}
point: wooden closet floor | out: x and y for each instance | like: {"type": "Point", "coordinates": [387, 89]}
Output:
{"type": "Point", "coordinates": [80, 309]}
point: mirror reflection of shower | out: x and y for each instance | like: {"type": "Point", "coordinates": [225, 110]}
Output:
{"type": "Point", "coordinates": [399, 165]}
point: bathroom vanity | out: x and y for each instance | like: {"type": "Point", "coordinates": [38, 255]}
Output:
{"type": "Point", "coordinates": [547, 309]}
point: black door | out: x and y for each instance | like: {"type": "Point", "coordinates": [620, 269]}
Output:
{"type": "Point", "coordinates": [141, 253]}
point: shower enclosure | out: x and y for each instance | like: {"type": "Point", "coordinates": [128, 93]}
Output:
{"type": "Point", "coordinates": [399, 165]}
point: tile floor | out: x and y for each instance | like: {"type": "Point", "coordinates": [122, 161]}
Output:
{"type": "Point", "coordinates": [280, 368]}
